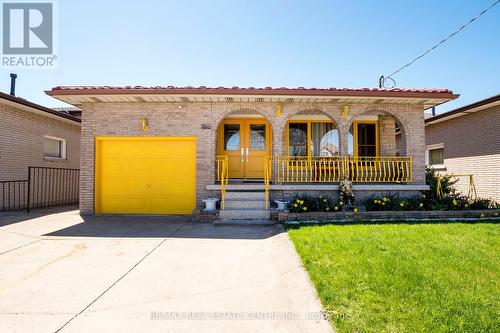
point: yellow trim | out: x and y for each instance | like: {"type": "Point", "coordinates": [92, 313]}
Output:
{"type": "Point", "coordinates": [355, 124]}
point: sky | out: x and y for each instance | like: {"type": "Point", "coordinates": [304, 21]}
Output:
{"type": "Point", "coordinates": [270, 43]}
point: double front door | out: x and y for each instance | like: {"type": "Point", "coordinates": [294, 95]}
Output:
{"type": "Point", "coordinates": [246, 143]}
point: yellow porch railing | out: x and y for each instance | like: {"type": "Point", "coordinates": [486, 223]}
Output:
{"type": "Point", "coordinates": [222, 176]}
{"type": "Point", "coordinates": [267, 177]}
{"type": "Point", "coordinates": [329, 169]}
{"type": "Point", "coordinates": [379, 169]}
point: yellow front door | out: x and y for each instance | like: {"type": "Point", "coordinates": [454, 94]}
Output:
{"type": "Point", "coordinates": [246, 143]}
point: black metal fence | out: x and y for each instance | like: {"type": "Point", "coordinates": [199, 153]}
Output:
{"type": "Point", "coordinates": [44, 187]}
{"type": "Point", "coordinates": [13, 194]}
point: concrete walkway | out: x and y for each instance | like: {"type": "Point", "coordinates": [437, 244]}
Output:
{"type": "Point", "coordinates": [131, 274]}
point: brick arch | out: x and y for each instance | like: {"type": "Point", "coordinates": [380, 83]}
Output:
{"type": "Point", "coordinates": [241, 110]}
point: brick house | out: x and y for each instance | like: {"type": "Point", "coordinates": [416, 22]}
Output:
{"type": "Point", "coordinates": [34, 135]}
{"type": "Point", "coordinates": [467, 141]}
{"type": "Point", "coordinates": [162, 150]}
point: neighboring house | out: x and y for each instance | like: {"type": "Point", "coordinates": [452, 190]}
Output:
{"type": "Point", "coordinates": [467, 141]}
{"type": "Point", "coordinates": [34, 135]}
{"type": "Point", "coordinates": [162, 150]}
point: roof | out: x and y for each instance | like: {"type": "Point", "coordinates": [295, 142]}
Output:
{"type": "Point", "coordinates": [40, 109]}
{"type": "Point", "coordinates": [73, 111]}
{"type": "Point", "coordinates": [79, 94]}
{"type": "Point", "coordinates": [464, 110]}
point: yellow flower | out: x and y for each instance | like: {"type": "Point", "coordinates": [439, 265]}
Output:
{"type": "Point", "coordinates": [336, 207]}
{"type": "Point", "coordinates": [482, 215]}
{"type": "Point", "coordinates": [301, 202]}
{"type": "Point", "coordinates": [355, 210]}
{"type": "Point", "coordinates": [496, 214]}
{"type": "Point", "coordinates": [375, 201]}
{"type": "Point", "coordinates": [324, 200]}
{"type": "Point", "coordinates": [327, 209]}
{"type": "Point", "coordinates": [423, 196]}
{"type": "Point", "coordinates": [386, 199]}
{"type": "Point", "coordinates": [341, 203]}
{"type": "Point", "coordinates": [421, 205]}
{"type": "Point", "coordinates": [455, 202]}
{"type": "Point", "coordinates": [295, 205]}
{"type": "Point", "coordinates": [383, 203]}
{"type": "Point", "coordinates": [305, 208]}
{"type": "Point", "coordinates": [401, 204]}
{"type": "Point", "coordinates": [466, 205]}
{"type": "Point", "coordinates": [298, 201]}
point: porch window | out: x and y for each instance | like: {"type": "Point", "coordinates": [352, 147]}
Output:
{"type": "Point", "coordinates": [363, 139]}
{"type": "Point", "coordinates": [312, 138]}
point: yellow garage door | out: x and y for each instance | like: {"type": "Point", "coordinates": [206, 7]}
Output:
{"type": "Point", "coordinates": [145, 175]}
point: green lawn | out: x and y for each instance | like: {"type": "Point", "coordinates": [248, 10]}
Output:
{"type": "Point", "coordinates": [405, 278]}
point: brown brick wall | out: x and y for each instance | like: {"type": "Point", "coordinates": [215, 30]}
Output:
{"type": "Point", "coordinates": [167, 119]}
{"type": "Point", "coordinates": [471, 145]}
{"type": "Point", "coordinates": [21, 138]}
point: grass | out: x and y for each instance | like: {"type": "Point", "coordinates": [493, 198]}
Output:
{"type": "Point", "coordinates": [405, 278]}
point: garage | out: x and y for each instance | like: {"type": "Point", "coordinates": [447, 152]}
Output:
{"type": "Point", "coordinates": [145, 175]}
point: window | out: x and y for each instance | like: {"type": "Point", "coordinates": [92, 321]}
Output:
{"type": "Point", "coordinates": [435, 156]}
{"type": "Point", "coordinates": [54, 148]}
{"type": "Point", "coordinates": [231, 137]}
{"type": "Point", "coordinates": [313, 138]}
{"type": "Point", "coordinates": [366, 139]}
{"type": "Point", "coordinates": [297, 139]}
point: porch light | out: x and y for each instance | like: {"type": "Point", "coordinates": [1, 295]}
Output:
{"type": "Point", "coordinates": [345, 110]}
{"type": "Point", "coordinates": [144, 123]}
{"type": "Point", "coordinates": [277, 109]}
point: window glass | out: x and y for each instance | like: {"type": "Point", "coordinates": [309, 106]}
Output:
{"type": "Point", "coordinates": [297, 139]}
{"type": "Point", "coordinates": [258, 137]}
{"type": "Point", "coordinates": [324, 139]}
{"type": "Point", "coordinates": [52, 148]}
{"type": "Point", "coordinates": [436, 156]}
{"type": "Point", "coordinates": [231, 137]}
{"type": "Point", "coordinates": [367, 139]}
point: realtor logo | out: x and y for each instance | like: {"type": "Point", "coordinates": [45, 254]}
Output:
{"type": "Point", "coordinates": [28, 34]}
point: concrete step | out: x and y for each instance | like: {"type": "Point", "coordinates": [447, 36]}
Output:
{"type": "Point", "coordinates": [244, 204]}
{"type": "Point", "coordinates": [241, 195]}
{"type": "Point", "coordinates": [244, 214]}
{"type": "Point", "coordinates": [244, 222]}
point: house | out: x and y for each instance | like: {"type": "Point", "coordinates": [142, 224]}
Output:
{"type": "Point", "coordinates": [162, 150]}
{"type": "Point", "coordinates": [467, 141]}
{"type": "Point", "coordinates": [32, 135]}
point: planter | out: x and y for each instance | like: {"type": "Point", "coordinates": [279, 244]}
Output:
{"type": "Point", "coordinates": [210, 204]}
{"type": "Point", "coordinates": [281, 204]}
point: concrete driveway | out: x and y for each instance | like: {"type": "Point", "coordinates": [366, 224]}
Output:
{"type": "Point", "coordinates": [132, 274]}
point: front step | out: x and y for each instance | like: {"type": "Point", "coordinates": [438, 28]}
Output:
{"type": "Point", "coordinates": [244, 214]}
{"type": "Point", "coordinates": [244, 206]}
{"type": "Point", "coordinates": [240, 195]}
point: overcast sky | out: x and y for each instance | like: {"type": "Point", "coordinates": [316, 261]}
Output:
{"type": "Point", "coordinates": [271, 43]}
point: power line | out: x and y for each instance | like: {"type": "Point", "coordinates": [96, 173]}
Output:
{"type": "Point", "coordinates": [383, 79]}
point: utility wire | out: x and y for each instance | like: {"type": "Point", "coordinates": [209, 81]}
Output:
{"type": "Point", "coordinates": [383, 78]}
